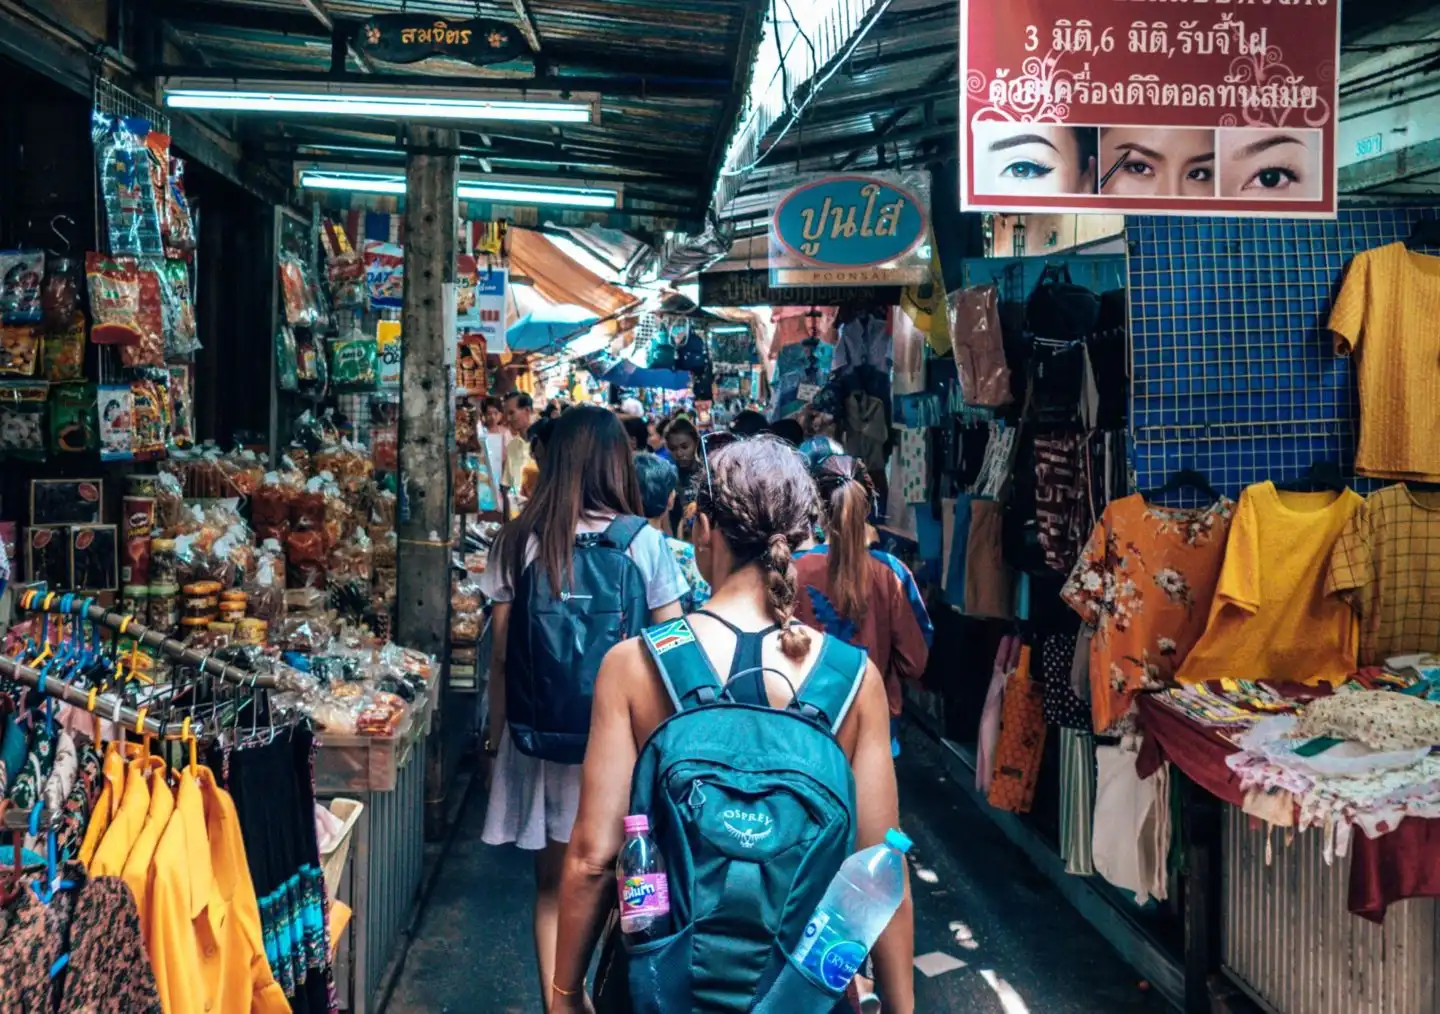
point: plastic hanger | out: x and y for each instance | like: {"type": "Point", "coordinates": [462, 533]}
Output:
{"type": "Point", "coordinates": [1425, 232]}
{"type": "Point", "coordinates": [1321, 475]}
{"type": "Point", "coordinates": [1185, 478]}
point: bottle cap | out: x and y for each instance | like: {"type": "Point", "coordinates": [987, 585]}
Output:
{"type": "Point", "coordinates": [898, 840]}
{"type": "Point", "coordinates": [637, 823]}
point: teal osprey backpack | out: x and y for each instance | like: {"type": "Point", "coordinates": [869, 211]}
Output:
{"type": "Point", "coordinates": [753, 809]}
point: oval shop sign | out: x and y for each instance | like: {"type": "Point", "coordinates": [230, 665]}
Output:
{"type": "Point", "coordinates": [849, 221]}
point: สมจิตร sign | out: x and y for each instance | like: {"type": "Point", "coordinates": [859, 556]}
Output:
{"type": "Point", "coordinates": [854, 229]}
{"type": "Point", "coordinates": [410, 38]}
{"type": "Point", "coordinates": [1150, 106]}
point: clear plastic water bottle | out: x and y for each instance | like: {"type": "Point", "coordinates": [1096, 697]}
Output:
{"type": "Point", "coordinates": [858, 905]}
{"type": "Point", "coordinates": [644, 889]}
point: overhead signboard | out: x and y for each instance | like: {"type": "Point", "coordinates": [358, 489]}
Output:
{"type": "Point", "coordinates": [854, 229]}
{"type": "Point", "coordinates": [1149, 106]}
{"type": "Point", "coordinates": [753, 288]}
{"type": "Point", "coordinates": [410, 38]}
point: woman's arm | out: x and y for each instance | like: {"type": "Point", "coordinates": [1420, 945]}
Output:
{"type": "Point", "coordinates": [666, 612]}
{"type": "Point", "coordinates": [499, 631]}
{"type": "Point", "coordinates": [877, 801]}
{"type": "Point", "coordinates": [587, 882]}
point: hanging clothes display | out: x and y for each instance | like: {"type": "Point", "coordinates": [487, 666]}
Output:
{"type": "Point", "coordinates": [137, 888]}
{"type": "Point", "coordinates": [1144, 582]}
{"type": "Point", "coordinates": [1021, 745]}
{"type": "Point", "coordinates": [1077, 801]}
{"type": "Point", "coordinates": [1132, 823]}
{"type": "Point", "coordinates": [1271, 617]}
{"type": "Point", "coordinates": [1386, 565]}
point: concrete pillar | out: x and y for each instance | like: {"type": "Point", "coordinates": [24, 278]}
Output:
{"type": "Point", "coordinates": [427, 418]}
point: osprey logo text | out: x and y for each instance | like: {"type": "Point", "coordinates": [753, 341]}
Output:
{"type": "Point", "coordinates": [746, 827]}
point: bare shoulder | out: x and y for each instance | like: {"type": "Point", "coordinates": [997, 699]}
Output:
{"type": "Point", "coordinates": [626, 665]}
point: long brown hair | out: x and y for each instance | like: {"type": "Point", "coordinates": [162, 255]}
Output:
{"type": "Point", "coordinates": [761, 497]}
{"type": "Point", "coordinates": [588, 469]}
{"type": "Point", "coordinates": [847, 493]}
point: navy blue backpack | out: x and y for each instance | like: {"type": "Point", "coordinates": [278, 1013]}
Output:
{"type": "Point", "coordinates": [557, 639]}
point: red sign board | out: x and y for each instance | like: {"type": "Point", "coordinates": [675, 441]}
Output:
{"type": "Point", "coordinates": [1205, 107]}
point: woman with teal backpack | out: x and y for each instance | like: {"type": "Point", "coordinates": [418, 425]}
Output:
{"type": "Point", "coordinates": [757, 784]}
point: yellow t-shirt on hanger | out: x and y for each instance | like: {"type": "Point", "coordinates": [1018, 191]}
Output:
{"type": "Point", "coordinates": [1271, 617]}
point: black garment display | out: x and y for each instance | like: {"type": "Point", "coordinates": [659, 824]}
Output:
{"type": "Point", "coordinates": [273, 786]}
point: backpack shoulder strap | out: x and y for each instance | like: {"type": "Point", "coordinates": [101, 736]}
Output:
{"type": "Point", "coordinates": [623, 530]}
{"type": "Point", "coordinates": [833, 684]}
{"type": "Point", "coordinates": [684, 668]}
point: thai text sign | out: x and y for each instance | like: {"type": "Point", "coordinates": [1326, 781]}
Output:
{"type": "Point", "coordinates": [1198, 107]}
{"type": "Point", "coordinates": [409, 38]}
{"type": "Point", "coordinates": [854, 229]}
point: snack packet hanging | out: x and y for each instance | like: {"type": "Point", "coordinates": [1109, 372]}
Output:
{"type": "Point", "coordinates": [65, 352]}
{"type": "Point", "coordinates": [19, 350]}
{"type": "Point", "coordinates": [73, 426]}
{"type": "Point", "coordinates": [182, 412]}
{"type": "Point", "coordinates": [115, 407]}
{"type": "Point", "coordinates": [385, 274]}
{"type": "Point", "coordinates": [21, 275]}
{"type": "Point", "coordinates": [179, 226]}
{"type": "Point", "coordinates": [126, 188]}
{"type": "Point", "coordinates": [114, 299]}
{"type": "Point", "coordinates": [354, 363]}
{"type": "Point", "coordinates": [150, 349]}
{"type": "Point", "coordinates": [22, 421]}
{"type": "Point", "coordinates": [178, 309]}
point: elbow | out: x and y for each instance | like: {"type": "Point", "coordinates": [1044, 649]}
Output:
{"type": "Point", "coordinates": [589, 861]}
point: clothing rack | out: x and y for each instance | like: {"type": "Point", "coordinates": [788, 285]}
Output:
{"type": "Point", "coordinates": [67, 605]}
{"type": "Point", "coordinates": [126, 717]}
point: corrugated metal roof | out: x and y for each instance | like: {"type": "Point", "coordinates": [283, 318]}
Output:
{"type": "Point", "coordinates": [672, 141]}
{"type": "Point", "coordinates": [897, 91]}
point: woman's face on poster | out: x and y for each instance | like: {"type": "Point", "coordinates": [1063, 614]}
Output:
{"type": "Point", "coordinates": [1271, 164]}
{"type": "Point", "coordinates": [1157, 162]}
{"type": "Point", "coordinates": [1034, 159]}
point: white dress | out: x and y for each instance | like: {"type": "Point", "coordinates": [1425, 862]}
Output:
{"type": "Point", "coordinates": [533, 801]}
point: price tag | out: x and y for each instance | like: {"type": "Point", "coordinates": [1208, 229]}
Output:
{"type": "Point", "coordinates": [807, 392]}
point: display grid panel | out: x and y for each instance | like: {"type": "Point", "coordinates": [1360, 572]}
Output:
{"type": "Point", "coordinates": [1233, 372]}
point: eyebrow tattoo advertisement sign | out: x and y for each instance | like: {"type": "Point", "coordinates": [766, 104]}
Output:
{"type": "Point", "coordinates": [1188, 107]}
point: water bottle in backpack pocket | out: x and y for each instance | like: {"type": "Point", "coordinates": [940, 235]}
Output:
{"type": "Point", "coordinates": [753, 810]}
{"type": "Point", "coordinates": [557, 640]}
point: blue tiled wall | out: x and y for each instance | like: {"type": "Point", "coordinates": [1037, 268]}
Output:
{"type": "Point", "coordinates": [1233, 371]}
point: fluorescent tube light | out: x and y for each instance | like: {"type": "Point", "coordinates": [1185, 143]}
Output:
{"type": "Point", "coordinates": [575, 197]}
{"type": "Point", "coordinates": [728, 329]}
{"type": "Point", "coordinates": [347, 99]}
{"type": "Point", "coordinates": [499, 192]}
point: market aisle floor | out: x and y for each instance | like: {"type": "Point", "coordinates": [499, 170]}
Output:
{"type": "Point", "coordinates": [1028, 951]}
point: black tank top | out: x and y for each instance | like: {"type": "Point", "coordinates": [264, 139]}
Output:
{"type": "Point", "coordinates": [746, 683]}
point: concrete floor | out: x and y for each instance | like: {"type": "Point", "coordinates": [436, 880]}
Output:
{"type": "Point", "coordinates": [1025, 950]}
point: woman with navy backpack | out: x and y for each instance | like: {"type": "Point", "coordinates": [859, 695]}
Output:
{"type": "Point", "coordinates": [575, 573]}
{"type": "Point", "coordinates": [759, 751]}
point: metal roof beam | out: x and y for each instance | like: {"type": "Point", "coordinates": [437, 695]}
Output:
{"type": "Point", "coordinates": [527, 25]}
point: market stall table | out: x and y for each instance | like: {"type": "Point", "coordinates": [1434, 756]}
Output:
{"type": "Point", "coordinates": [1287, 936]}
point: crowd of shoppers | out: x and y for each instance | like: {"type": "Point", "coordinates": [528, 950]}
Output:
{"type": "Point", "coordinates": [764, 542]}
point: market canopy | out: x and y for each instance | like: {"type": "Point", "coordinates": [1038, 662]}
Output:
{"type": "Point", "coordinates": [548, 328]}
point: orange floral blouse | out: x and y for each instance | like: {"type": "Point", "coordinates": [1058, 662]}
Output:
{"type": "Point", "coordinates": [1144, 582]}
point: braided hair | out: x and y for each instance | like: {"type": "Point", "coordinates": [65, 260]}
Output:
{"type": "Point", "coordinates": [761, 497]}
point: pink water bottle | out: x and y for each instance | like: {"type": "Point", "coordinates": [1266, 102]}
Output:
{"type": "Point", "coordinates": [644, 890]}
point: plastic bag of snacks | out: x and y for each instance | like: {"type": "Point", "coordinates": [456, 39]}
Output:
{"type": "Point", "coordinates": [21, 275]}
{"type": "Point", "coordinates": [126, 186]}
{"type": "Point", "coordinates": [22, 421]}
{"type": "Point", "coordinates": [265, 587]}
{"type": "Point", "coordinates": [114, 299]}
{"type": "Point", "coordinates": [65, 352]}
{"type": "Point", "coordinates": [181, 337]}
{"type": "Point", "coordinates": [169, 502]}
{"type": "Point", "coordinates": [354, 363]}
{"type": "Point", "coordinates": [465, 603]}
{"type": "Point", "coordinates": [74, 428]}
{"type": "Point", "coordinates": [179, 227]}
{"type": "Point", "coordinates": [20, 346]}
{"type": "Point", "coordinates": [300, 310]}
{"type": "Point", "coordinates": [60, 293]}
